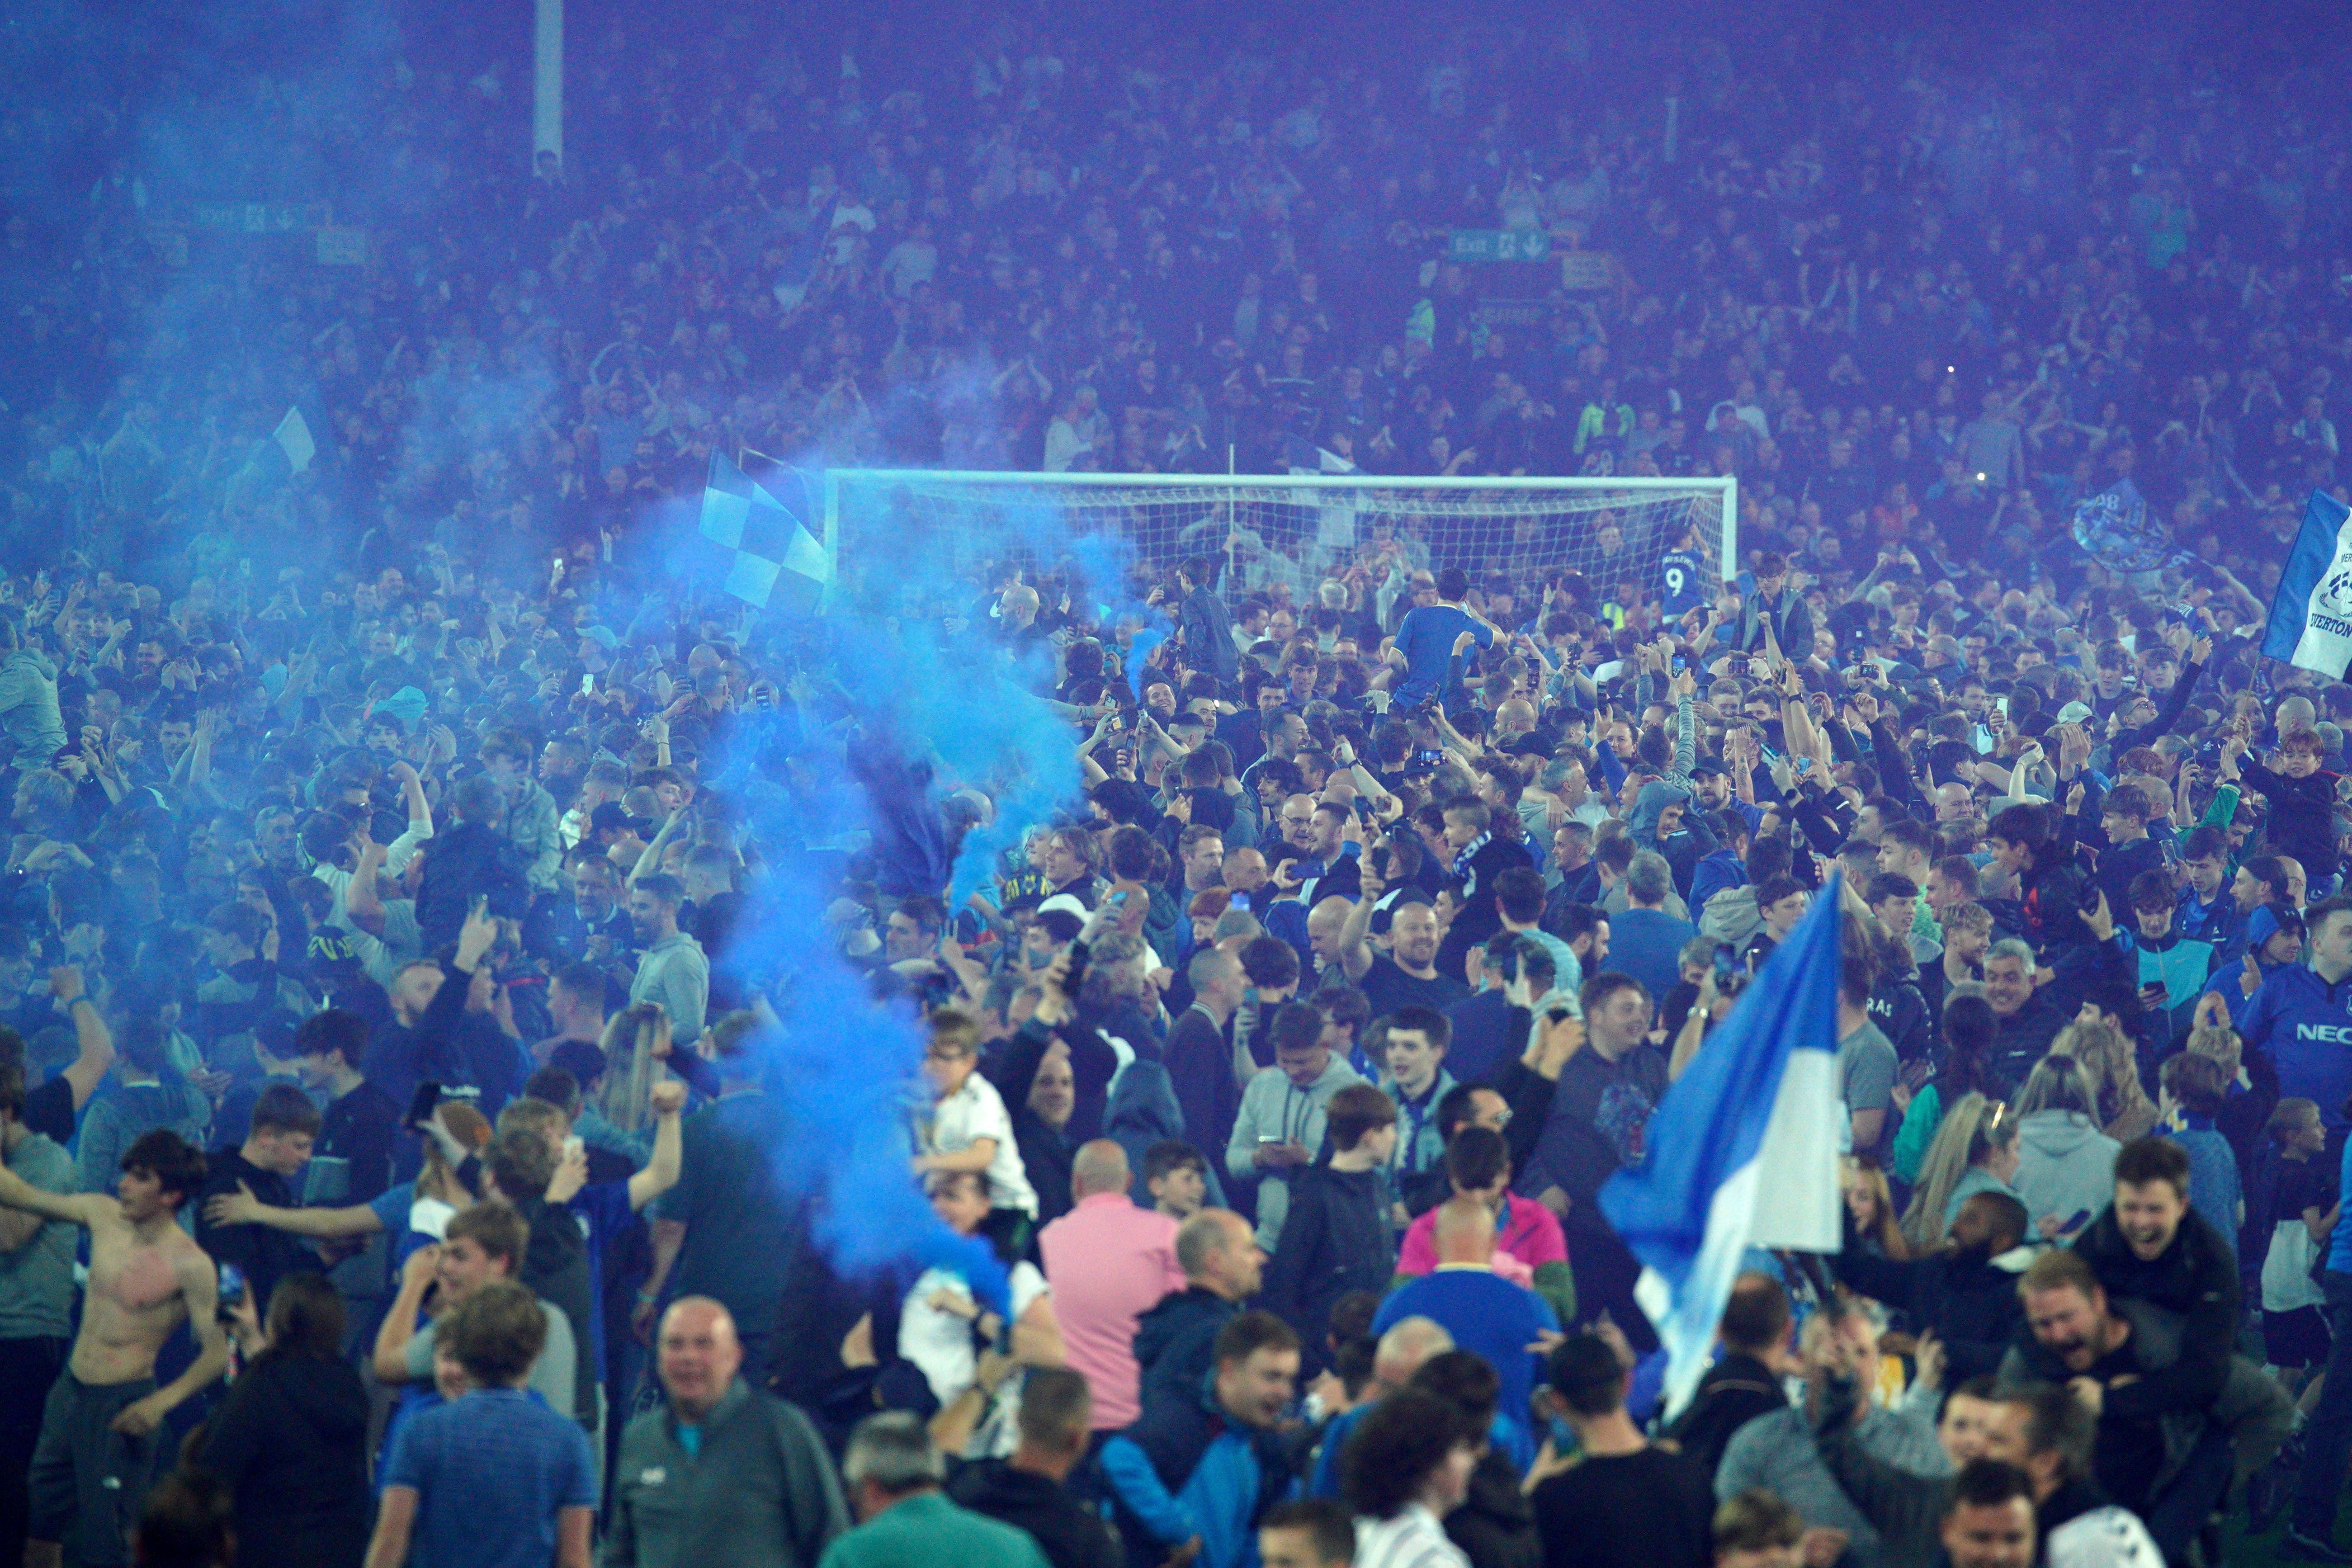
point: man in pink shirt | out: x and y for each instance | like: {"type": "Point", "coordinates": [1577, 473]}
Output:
{"type": "Point", "coordinates": [1109, 1262]}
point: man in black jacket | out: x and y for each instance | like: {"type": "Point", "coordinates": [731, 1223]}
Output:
{"type": "Point", "coordinates": [1478, 854]}
{"type": "Point", "coordinates": [2150, 1246]}
{"type": "Point", "coordinates": [471, 860]}
{"type": "Point", "coordinates": [1055, 1099]}
{"type": "Point", "coordinates": [1967, 1294]}
{"type": "Point", "coordinates": [2029, 1021]}
{"type": "Point", "coordinates": [1335, 1236]}
{"type": "Point", "coordinates": [276, 1147]}
{"type": "Point", "coordinates": [1028, 1492]}
{"type": "Point", "coordinates": [1174, 1342]}
{"type": "Point", "coordinates": [1746, 1383]}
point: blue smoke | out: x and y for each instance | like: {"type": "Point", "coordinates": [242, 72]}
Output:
{"type": "Point", "coordinates": [920, 701]}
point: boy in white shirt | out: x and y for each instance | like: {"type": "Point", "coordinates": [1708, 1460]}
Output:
{"type": "Point", "coordinates": [970, 1129]}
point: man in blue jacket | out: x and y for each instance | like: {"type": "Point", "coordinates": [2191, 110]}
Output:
{"type": "Point", "coordinates": [1201, 1467]}
{"type": "Point", "coordinates": [1201, 622]}
{"type": "Point", "coordinates": [2302, 1016]}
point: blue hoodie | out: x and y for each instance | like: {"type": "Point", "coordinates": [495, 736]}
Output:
{"type": "Point", "coordinates": [2306, 1026]}
{"type": "Point", "coordinates": [1186, 1469]}
{"type": "Point", "coordinates": [1722, 869]}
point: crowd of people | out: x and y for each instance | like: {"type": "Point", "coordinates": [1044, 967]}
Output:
{"type": "Point", "coordinates": [393, 1082]}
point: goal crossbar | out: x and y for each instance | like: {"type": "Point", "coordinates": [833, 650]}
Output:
{"type": "Point", "coordinates": [1210, 486]}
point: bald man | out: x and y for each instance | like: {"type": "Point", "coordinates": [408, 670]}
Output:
{"type": "Point", "coordinates": [1327, 922]}
{"type": "Point", "coordinates": [1509, 1324]}
{"type": "Point", "coordinates": [1175, 1342]}
{"type": "Point", "coordinates": [1401, 1352]}
{"type": "Point", "coordinates": [721, 1475]}
{"type": "Point", "coordinates": [1109, 1263]}
{"type": "Point", "coordinates": [1245, 876]}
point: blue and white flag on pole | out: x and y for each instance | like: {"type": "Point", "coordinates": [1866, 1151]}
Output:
{"type": "Point", "coordinates": [739, 515]}
{"type": "Point", "coordinates": [2311, 617]}
{"type": "Point", "coordinates": [1743, 1149]}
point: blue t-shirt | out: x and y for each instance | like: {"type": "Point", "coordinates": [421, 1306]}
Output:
{"type": "Point", "coordinates": [1484, 1312]}
{"type": "Point", "coordinates": [491, 1472]}
{"type": "Point", "coordinates": [1426, 641]}
{"type": "Point", "coordinates": [1684, 576]}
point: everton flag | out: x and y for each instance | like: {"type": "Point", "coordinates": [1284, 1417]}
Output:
{"type": "Point", "coordinates": [2311, 619]}
{"type": "Point", "coordinates": [1742, 1151]}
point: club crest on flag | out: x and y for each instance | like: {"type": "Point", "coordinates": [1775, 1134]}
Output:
{"type": "Point", "coordinates": [2311, 615]}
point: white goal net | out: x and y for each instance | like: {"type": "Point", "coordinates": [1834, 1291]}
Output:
{"type": "Point", "coordinates": [888, 530]}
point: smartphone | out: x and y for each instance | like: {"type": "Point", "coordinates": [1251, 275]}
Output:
{"type": "Point", "coordinates": [232, 1292]}
{"type": "Point", "coordinates": [1727, 963]}
{"type": "Point", "coordinates": [2075, 1221]}
{"type": "Point", "coordinates": [1680, 664]}
{"type": "Point", "coordinates": [1269, 1137]}
{"type": "Point", "coordinates": [574, 1147]}
{"type": "Point", "coordinates": [588, 685]}
{"type": "Point", "coordinates": [420, 1106]}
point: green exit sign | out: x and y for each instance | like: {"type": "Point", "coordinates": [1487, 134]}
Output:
{"type": "Point", "coordinates": [1498, 245]}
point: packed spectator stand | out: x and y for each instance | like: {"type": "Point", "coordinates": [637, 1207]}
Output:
{"type": "Point", "coordinates": [455, 953]}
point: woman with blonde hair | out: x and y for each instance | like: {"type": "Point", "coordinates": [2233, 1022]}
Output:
{"type": "Point", "coordinates": [2065, 1165]}
{"type": "Point", "coordinates": [636, 1040]}
{"type": "Point", "coordinates": [2105, 1052]}
{"type": "Point", "coordinates": [1974, 1151]}
{"type": "Point", "coordinates": [2251, 1087]}
{"type": "Point", "coordinates": [1871, 1207]}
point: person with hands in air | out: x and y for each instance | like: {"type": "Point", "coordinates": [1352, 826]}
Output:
{"type": "Point", "coordinates": [51, 1109]}
{"type": "Point", "coordinates": [2301, 797]}
{"type": "Point", "coordinates": [99, 1439]}
{"type": "Point", "coordinates": [1407, 973]}
{"type": "Point", "coordinates": [1427, 639]}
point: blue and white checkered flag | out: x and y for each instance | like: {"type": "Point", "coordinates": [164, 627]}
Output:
{"type": "Point", "coordinates": [739, 515]}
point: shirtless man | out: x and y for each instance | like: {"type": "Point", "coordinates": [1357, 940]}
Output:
{"type": "Point", "coordinates": [98, 1430]}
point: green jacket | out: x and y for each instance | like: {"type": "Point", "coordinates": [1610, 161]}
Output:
{"type": "Point", "coordinates": [927, 1530]}
{"type": "Point", "coordinates": [760, 1492]}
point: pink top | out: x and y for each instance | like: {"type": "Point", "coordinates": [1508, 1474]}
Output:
{"type": "Point", "coordinates": [1529, 1235]}
{"type": "Point", "coordinates": [1109, 1262]}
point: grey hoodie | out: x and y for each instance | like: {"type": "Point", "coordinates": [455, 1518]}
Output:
{"type": "Point", "coordinates": [1273, 1107]}
{"type": "Point", "coordinates": [1731, 916]}
{"type": "Point", "coordinates": [2065, 1166]}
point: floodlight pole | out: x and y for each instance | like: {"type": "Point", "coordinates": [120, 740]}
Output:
{"type": "Point", "coordinates": [547, 81]}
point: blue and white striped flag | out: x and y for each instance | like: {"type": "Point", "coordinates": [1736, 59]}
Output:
{"type": "Point", "coordinates": [1743, 1149]}
{"type": "Point", "coordinates": [2311, 615]}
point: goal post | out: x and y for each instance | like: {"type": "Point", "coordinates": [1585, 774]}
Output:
{"type": "Point", "coordinates": [1276, 528]}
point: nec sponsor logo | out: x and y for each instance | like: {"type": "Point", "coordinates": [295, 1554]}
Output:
{"type": "Point", "coordinates": [2334, 1034]}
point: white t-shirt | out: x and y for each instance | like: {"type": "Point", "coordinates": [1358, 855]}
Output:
{"type": "Point", "coordinates": [976, 1112]}
{"type": "Point", "coordinates": [2107, 1537]}
{"type": "Point", "coordinates": [940, 1344]}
